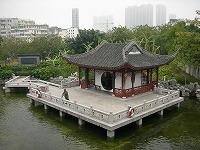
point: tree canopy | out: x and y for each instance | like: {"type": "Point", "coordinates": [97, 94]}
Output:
{"type": "Point", "coordinates": [182, 37]}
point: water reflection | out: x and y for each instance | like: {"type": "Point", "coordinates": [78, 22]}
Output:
{"type": "Point", "coordinates": [23, 126]}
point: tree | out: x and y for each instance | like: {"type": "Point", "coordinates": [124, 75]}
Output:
{"type": "Point", "coordinates": [85, 38]}
{"type": "Point", "coordinates": [51, 44]}
{"type": "Point", "coordinates": [9, 48]}
{"type": "Point", "coordinates": [1, 39]}
{"type": "Point", "coordinates": [119, 35]}
{"type": "Point", "coordinates": [146, 36]}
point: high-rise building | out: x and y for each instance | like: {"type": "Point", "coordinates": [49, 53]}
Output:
{"type": "Point", "coordinates": [161, 11]}
{"type": "Point", "coordinates": [103, 23]}
{"type": "Point", "coordinates": [75, 18]}
{"type": "Point", "coordinates": [139, 15]}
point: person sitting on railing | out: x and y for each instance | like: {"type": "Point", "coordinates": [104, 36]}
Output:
{"type": "Point", "coordinates": [65, 94]}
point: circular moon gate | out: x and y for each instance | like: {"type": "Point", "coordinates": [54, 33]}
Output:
{"type": "Point", "coordinates": [106, 80]}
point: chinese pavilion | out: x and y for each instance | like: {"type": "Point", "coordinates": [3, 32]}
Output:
{"type": "Point", "coordinates": [123, 69]}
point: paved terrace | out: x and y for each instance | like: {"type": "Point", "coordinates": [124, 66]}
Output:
{"type": "Point", "coordinates": [102, 100]}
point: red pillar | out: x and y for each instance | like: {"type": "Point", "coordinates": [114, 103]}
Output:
{"type": "Point", "coordinates": [133, 80]}
{"type": "Point", "coordinates": [147, 82]}
{"type": "Point", "coordinates": [87, 77]}
{"type": "Point", "coordinates": [123, 84]}
{"type": "Point", "coordinates": [151, 73]}
{"type": "Point", "coordinates": [113, 82]}
{"type": "Point", "coordinates": [123, 80]}
{"type": "Point", "coordinates": [156, 77]}
{"type": "Point", "coordinates": [79, 75]}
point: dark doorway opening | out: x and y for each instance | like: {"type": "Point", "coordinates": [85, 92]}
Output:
{"type": "Point", "coordinates": [106, 80]}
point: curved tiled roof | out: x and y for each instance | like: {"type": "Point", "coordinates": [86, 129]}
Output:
{"type": "Point", "coordinates": [117, 55]}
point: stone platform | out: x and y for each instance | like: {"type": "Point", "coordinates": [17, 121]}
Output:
{"type": "Point", "coordinates": [102, 109]}
{"type": "Point", "coordinates": [95, 106]}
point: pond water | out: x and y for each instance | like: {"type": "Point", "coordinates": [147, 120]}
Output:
{"type": "Point", "coordinates": [25, 127]}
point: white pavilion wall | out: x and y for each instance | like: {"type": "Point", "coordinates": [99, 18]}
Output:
{"type": "Point", "coordinates": [128, 83]}
{"type": "Point", "coordinates": [137, 79]}
{"type": "Point", "coordinates": [98, 74]}
{"type": "Point", "coordinates": [118, 80]}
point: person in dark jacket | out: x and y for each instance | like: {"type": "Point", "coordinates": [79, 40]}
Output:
{"type": "Point", "coordinates": [65, 94]}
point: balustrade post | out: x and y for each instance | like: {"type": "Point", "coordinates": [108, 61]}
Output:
{"type": "Point", "coordinates": [50, 97]}
{"type": "Point", "coordinates": [75, 105]}
{"type": "Point", "coordinates": [157, 99]}
{"type": "Point", "coordinates": [178, 93]}
{"type": "Point", "coordinates": [110, 118]}
{"type": "Point", "coordinates": [91, 110]}
{"type": "Point", "coordinates": [144, 105]}
{"type": "Point", "coordinates": [168, 96]}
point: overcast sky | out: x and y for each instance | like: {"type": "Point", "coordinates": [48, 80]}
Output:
{"type": "Point", "coordinates": [59, 12]}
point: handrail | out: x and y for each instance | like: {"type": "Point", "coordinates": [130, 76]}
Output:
{"type": "Point", "coordinates": [73, 105]}
{"type": "Point", "coordinates": [12, 79]}
{"type": "Point", "coordinates": [145, 106]}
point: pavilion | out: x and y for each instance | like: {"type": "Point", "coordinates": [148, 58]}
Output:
{"type": "Point", "coordinates": [123, 69]}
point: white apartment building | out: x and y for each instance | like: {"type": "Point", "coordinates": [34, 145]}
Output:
{"type": "Point", "coordinates": [161, 15]}
{"type": "Point", "coordinates": [139, 15]}
{"type": "Point", "coordinates": [21, 28]}
{"type": "Point", "coordinates": [26, 31]}
{"type": "Point", "coordinates": [72, 32]}
{"type": "Point", "coordinates": [103, 23]}
{"type": "Point", "coordinates": [64, 33]}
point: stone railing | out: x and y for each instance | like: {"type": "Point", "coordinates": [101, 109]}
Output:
{"type": "Point", "coordinates": [103, 116]}
{"type": "Point", "coordinates": [14, 83]}
{"type": "Point", "coordinates": [32, 82]}
{"type": "Point", "coordinates": [72, 105]}
{"type": "Point", "coordinates": [68, 84]}
{"type": "Point", "coordinates": [16, 77]}
{"type": "Point", "coordinates": [147, 105]}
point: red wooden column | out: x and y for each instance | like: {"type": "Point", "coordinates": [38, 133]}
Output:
{"type": "Point", "coordinates": [113, 82]}
{"type": "Point", "coordinates": [156, 77]}
{"type": "Point", "coordinates": [122, 80]}
{"type": "Point", "coordinates": [147, 76]}
{"type": "Point", "coordinates": [86, 77]}
{"type": "Point", "coordinates": [151, 73]}
{"type": "Point", "coordinates": [123, 85]}
{"type": "Point", "coordinates": [79, 75]}
{"type": "Point", "coordinates": [132, 81]}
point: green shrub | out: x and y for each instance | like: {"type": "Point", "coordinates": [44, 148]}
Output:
{"type": "Point", "coordinates": [43, 73]}
{"type": "Point", "coordinates": [6, 74]}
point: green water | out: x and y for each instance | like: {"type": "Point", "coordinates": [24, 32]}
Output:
{"type": "Point", "coordinates": [25, 127]}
